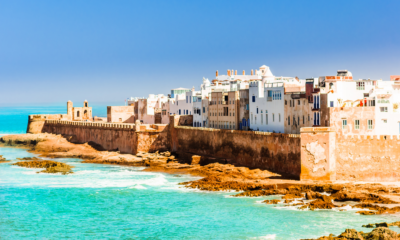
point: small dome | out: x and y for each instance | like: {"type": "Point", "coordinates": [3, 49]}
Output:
{"type": "Point", "coordinates": [267, 72]}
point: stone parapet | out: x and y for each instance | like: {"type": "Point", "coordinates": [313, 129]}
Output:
{"type": "Point", "coordinates": [239, 132]}
{"type": "Point", "coordinates": [92, 124]}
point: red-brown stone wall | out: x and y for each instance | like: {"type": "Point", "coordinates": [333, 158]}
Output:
{"type": "Point", "coordinates": [279, 153]}
{"type": "Point", "coordinates": [368, 159]}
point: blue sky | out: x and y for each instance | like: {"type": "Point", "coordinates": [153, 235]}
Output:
{"type": "Point", "coordinates": [106, 51]}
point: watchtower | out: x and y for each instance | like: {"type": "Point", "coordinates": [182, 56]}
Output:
{"type": "Point", "coordinates": [70, 110]}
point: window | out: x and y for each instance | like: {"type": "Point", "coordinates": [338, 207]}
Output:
{"type": "Point", "coordinates": [330, 85]}
{"type": "Point", "coordinates": [288, 120]}
{"type": "Point", "coordinates": [315, 118]}
{"type": "Point", "coordinates": [77, 113]}
{"type": "Point", "coordinates": [332, 103]}
{"type": "Point", "coordinates": [251, 118]}
{"type": "Point", "coordinates": [285, 102]}
{"type": "Point", "coordinates": [276, 95]}
{"type": "Point", "coordinates": [266, 119]}
{"type": "Point", "coordinates": [253, 98]}
{"type": "Point", "coordinates": [308, 117]}
{"type": "Point", "coordinates": [279, 117]}
{"type": "Point", "coordinates": [262, 119]}
{"type": "Point", "coordinates": [298, 102]}
{"type": "Point", "coordinates": [303, 119]}
{"type": "Point", "coordinates": [257, 110]}
{"type": "Point", "coordinates": [357, 124]}
{"type": "Point", "coordinates": [360, 85]}
{"type": "Point", "coordinates": [298, 120]}
{"type": "Point", "coordinates": [371, 103]}
{"type": "Point", "coordinates": [273, 117]}
{"type": "Point", "coordinates": [187, 99]}
{"type": "Point", "coordinates": [204, 109]}
{"type": "Point", "coordinates": [384, 120]}
{"type": "Point", "coordinates": [179, 112]}
{"type": "Point", "coordinates": [384, 109]}
{"type": "Point", "coordinates": [366, 95]}
{"type": "Point", "coordinates": [344, 123]}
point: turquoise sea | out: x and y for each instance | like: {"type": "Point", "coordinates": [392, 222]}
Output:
{"type": "Point", "coordinates": [115, 202]}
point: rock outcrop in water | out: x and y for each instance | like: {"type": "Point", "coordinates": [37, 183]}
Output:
{"type": "Point", "coordinates": [3, 160]}
{"type": "Point", "coordinates": [379, 233]}
{"type": "Point", "coordinates": [51, 166]}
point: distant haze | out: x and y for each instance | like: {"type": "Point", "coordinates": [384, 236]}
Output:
{"type": "Point", "coordinates": [106, 51]}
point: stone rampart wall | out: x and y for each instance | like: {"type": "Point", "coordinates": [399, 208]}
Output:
{"type": "Point", "coordinates": [368, 158]}
{"type": "Point", "coordinates": [126, 138]}
{"type": "Point", "coordinates": [315, 154]}
{"type": "Point", "coordinates": [328, 155]}
{"type": "Point", "coordinates": [272, 151]}
{"type": "Point", "coordinates": [36, 122]}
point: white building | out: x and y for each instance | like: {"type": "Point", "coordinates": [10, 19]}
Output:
{"type": "Point", "coordinates": [149, 107]}
{"type": "Point", "coordinates": [375, 103]}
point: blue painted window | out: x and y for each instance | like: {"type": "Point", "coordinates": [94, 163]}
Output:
{"type": "Point", "coordinates": [254, 98]}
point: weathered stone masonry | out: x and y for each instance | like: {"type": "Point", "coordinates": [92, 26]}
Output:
{"type": "Point", "coordinates": [316, 154]}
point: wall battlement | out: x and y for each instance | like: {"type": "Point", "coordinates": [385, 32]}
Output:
{"type": "Point", "coordinates": [372, 137]}
{"type": "Point", "coordinates": [92, 124]}
{"type": "Point", "coordinates": [240, 132]}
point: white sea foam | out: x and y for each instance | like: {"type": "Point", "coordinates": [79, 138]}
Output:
{"type": "Point", "coordinates": [138, 187]}
{"type": "Point", "coordinates": [295, 208]}
{"type": "Point", "coordinates": [268, 236]}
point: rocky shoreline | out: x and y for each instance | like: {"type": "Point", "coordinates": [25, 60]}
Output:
{"type": "Point", "coordinates": [50, 166]}
{"type": "Point", "coordinates": [370, 199]}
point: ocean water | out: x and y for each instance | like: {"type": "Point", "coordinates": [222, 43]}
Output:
{"type": "Point", "coordinates": [116, 202]}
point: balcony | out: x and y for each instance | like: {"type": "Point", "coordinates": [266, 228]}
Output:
{"type": "Point", "coordinates": [272, 85]}
{"type": "Point", "coordinates": [298, 95]}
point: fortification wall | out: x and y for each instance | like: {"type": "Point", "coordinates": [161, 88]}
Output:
{"type": "Point", "coordinates": [36, 122]}
{"type": "Point", "coordinates": [316, 154]}
{"type": "Point", "coordinates": [272, 151]}
{"type": "Point", "coordinates": [368, 158]}
{"type": "Point", "coordinates": [126, 138]}
{"type": "Point", "coordinates": [328, 155]}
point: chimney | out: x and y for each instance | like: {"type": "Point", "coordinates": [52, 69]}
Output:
{"type": "Point", "coordinates": [251, 72]}
{"type": "Point", "coordinates": [229, 72]}
{"type": "Point", "coordinates": [216, 74]}
{"type": "Point", "coordinates": [235, 72]}
{"type": "Point", "coordinates": [243, 73]}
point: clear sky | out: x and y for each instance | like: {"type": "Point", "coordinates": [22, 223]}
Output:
{"type": "Point", "coordinates": [54, 51]}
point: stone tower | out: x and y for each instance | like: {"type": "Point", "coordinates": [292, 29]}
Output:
{"type": "Point", "coordinates": [70, 112]}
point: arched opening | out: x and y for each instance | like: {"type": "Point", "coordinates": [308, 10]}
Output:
{"type": "Point", "coordinates": [86, 104]}
{"type": "Point", "coordinates": [77, 113]}
{"type": "Point", "coordinates": [85, 114]}
{"type": "Point", "coordinates": [330, 85]}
